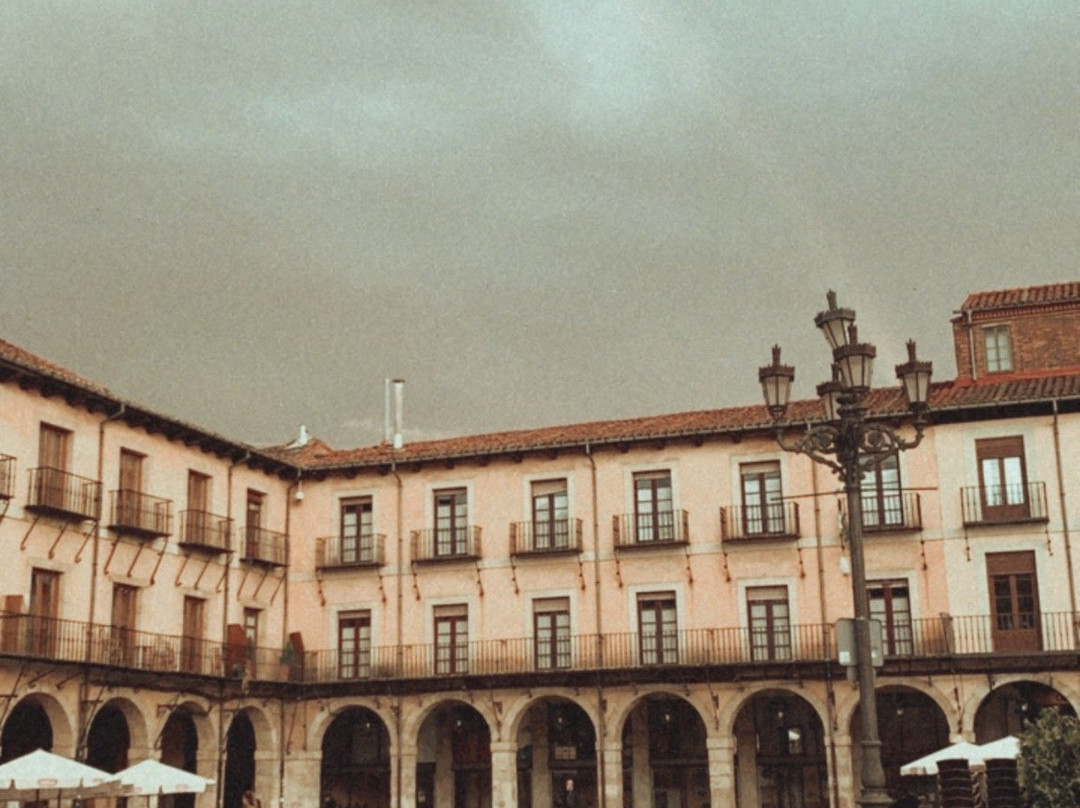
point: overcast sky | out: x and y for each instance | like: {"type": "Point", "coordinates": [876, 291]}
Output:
{"type": "Point", "coordinates": [248, 215]}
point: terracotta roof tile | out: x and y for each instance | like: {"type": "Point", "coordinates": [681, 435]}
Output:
{"type": "Point", "coordinates": [23, 358]}
{"type": "Point", "coordinates": [1023, 296]}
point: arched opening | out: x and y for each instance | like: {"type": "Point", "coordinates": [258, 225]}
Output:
{"type": "Point", "coordinates": [665, 760]}
{"type": "Point", "coordinates": [453, 765]}
{"type": "Point", "coordinates": [27, 728]}
{"type": "Point", "coordinates": [180, 748]}
{"type": "Point", "coordinates": [239, 761]}
{"type": "Point", "coordinates": [556, 763]}
{"type": "Point", "coordinates": [780, 753]}
{"type": "Point", "coordinates": [109, 740]}
{"type": "Point", "coordinates": [910, 725]}
{"type": "Point", "coordinates": [1008, 708]}
{"type": "Point", "coordinates": [355, 769]}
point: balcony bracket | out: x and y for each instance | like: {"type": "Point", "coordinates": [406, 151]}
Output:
{"type": "Point", "coordinates": [727, 572]}
{"type": "Point", "coordinates": [922, 552]}
{"type": "Point", "coordinates": [689, 571]}
{"type": "Point", "coordinates": [183, 566]}
{"type": "Point", "coordinates": [9, 698]}
{"type": "Point", "coordinates": [135, 560]}
{"type": "Point", "coordinates": [221, 580]}
{"type": "Point", "coordinates": [618, 572]}
{"type": "Point", "coordinates": [47, 672]}
{"type": "Point", "coordinates": [1049, 544]}
{"type": "Point", "coordinates": [479, 581]}
{"type": "Point", "coordinates": [157, 566]}
{"type": "Point", "coordinates": [581, 572]}
{"type": "Point", "coordinates": [202, 572]}
{"type": "Point", "coordinates": [318, 585]}
{"type": "Point", "coordinates": [243, 580]}
{"type": "Point", "coordinates": [29, 530]}
{"type": "Point", "coordinates": [112, 552]}
{"type": "Point", "coordinates": [802, 569]}
{"type": "Point", "coordinates": [258, 586]}
{"type": "Point", "coordinates": [382, 589]}
{"type": "Point", "coordinates": [273, 595]}
{"type": "Point", "coordinates": [415, 583]}
{"type": "Point", "coordinates": [87, 535]}
{"type": "Point", "coordinates": [4, 505]}
{"type": "Point", "coordinates": [60, 535]}
{"type": "Point", "coordinates": [513, 575]}
{"type": "Point", "coordinates": [62, 682]}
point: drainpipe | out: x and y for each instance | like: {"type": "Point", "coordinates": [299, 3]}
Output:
{"type": "Point", "coordinates": [285, 629]}
{"type": "Point", "coordinates": [971, 342]}
{"type": "Point", "coordinates": [1065, 521]}
{"type": "Point", "coordinates": [400, 648]}
{"type": "Point", "coordinates": [225, 630]}
{"type": "Point", "coordinates": [601, 774]}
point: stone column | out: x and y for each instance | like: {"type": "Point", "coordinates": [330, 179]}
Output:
{"type": "Point", "coordinates": [303, 780]}
{"type": "Point", "coordinates": [642, 771]}
{"type": "Point", "coordinates": [846, 786]}
{"type": "Point", "coordinates": [503, 774]}
{"type": "Point", "coordinates": [721, 752]}
{"type": "Point", "coordinates": [611, 760]}
{"type": "Point", "coordinates": [408, 778]}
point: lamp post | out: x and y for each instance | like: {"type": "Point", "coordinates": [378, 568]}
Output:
{"type": "Point", "coordinates": [850, 445]}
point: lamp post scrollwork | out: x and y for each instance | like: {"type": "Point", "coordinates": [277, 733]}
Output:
{"type": "Point", "coordinates": [849, 444]}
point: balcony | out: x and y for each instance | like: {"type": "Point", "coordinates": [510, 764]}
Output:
{"type": "Point", "coordinates": [338, 552]}
{"type": "Point", "coordinates": [545, 538]}
{"type": "Point", "coordinates": [1004, 504]}
{"type": "Point", "coordinates": [135, 513]}
{"type": "Point", "coordinates": [650, 529]}
{"type": "Point", "coordinates": [265, 547]}
{"type": "Point", "coordinates": [755, 523]}
{"type": "Point", "coordinates": [889, 511]}
{"type": "Point", "coordinates": [67, 496]}
{"type": "Point", "coordinates": [446, 544]}
{"type": "Point", "coordinates": [201, 530]}
{"type": "Point", "coordinates": [7, 476]}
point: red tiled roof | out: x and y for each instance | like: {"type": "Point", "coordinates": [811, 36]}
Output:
{"type": "Point", "coordinates": [33, 362]}
{"type": "Point", "coordinates": [1023, 296]}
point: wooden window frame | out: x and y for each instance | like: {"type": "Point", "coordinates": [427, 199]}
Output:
{"type": "Point", "coordinates": [654, 514]}
{"type": "Point", "coordinates": [770, 630]}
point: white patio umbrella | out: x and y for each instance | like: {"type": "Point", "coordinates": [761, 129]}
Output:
{"type": "Point", "coordinates": [1007, 748]}
{"type": "Point", "coordinates": [927, 765]}
{"type": "Point", "coordinates": [153, 777]}
{"type": "Point", "coordinates": [41, 775]}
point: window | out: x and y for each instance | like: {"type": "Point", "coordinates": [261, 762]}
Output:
{"type": "Point", "coordinates": [550, 515]}
{"type": "Point", "coordinates": [1002, 478]}
{"type": "Point", "coordinates": [122, 646]}
{"type": "Point", "coordinates": [128, 506]}
{"type": "Point", "coordinates": [1014, 601]}
{"type": "Point", "coordinates": [191, 645]}
{"type": "Point", "coordinates": [54, 454]}
{"type": "Point", "coordinates": [451, 522]}
{"type": "Point", "coordinates": [654, 519]}
{"type": "Point", "coordinates": [998, 348]}
{"type": "Point", "coordinates": [551, 627]}
{"type": "Point", "coordinates": [451, 639]}
{"type": "Point", "coordinates": [354, 645]}
{"type": "Point", "coordinates": [881, 502]}
{"type": "Point", "coordinates": [253, 523]}
{"type": "Point", "coordinates": [251, 632]}
{"type": "Point", "coordinates": [770, 627]}
{"type": "Point", "coordinates": [357, 537]}
{"type": "Point", "coordinates": [891, 604]}
{"type": "Point", "coordinates": [44, 609]}
{"type": "Point", "coordinates": [197, 523]}
{"type": "Point", "coordinates": [762, 499]}
{"type": "Point", "coordinates": [657, 629]}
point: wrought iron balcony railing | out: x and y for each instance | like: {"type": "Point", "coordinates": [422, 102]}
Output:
{"type": "Point", "coordinates": [889, 511]}
{"type": "Point", "coordinates": [778, 520]}
{"type": "Point", "coordinates": [540, 538]}
{"type": "Point", "coordinates": [7, 476]}
{"type": "Point", "coordinates": [336, 552]}
{"type": "Point", "coordinates": [54, 492]}
{"type": "Point", "coordinates": [139, 514]}
{"type": "Point", "coordinates": [1004, 504]}
{"type": "Point", "coordinates": [266, 547]}
{"type": "Point", "coordinates": [650, 528]}
{"type": "Point", "coordinates": [202, 530]}
{"type": "Point", "coordinates": [446, 544]}
{"type": "Point", "coordinates": [32, 637]}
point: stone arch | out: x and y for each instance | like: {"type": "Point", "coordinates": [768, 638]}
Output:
{"type": "Point", "coordinates": [516, 713]}
{"type": "Point", "coordinates": [411, 726]}
{"type": "Point", "coordinates": [61, 728]}
{"type": "Point", "coordinates": [452, 739]}
{"type": "Point", "coordinates": [556, 739]}
{"type": "Point", "coordinates": [847, 706]}
{"type": "Point", "coordinates": [200, 717]}
{"type": "Point", "coordinates": [117, 735]}
{"type": "Point", "coordinates": [729, 712]}
{"type": "Point", "coordinates": [1020, 698]}
{"type": "Point", "coordinates": [324, 718]}
{"type": "Point", "coordinates": [618, 716]}
{"type": "Point", "coordinates": [355, 765]}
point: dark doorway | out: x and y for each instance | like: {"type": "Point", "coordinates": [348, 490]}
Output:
{"type": "Point", "coordinates": [180, 748]}
{"type": "Point", "coordinates": [239, 761]}
{"type": "Point", "coordinates": [26, 729]}
{"type": "Point", "coordinates": [108, 741]}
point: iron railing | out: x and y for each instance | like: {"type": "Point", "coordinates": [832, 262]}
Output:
{"type": "Point", "coordinates": [538, 538]}
{"type": "Point", "coordinates": [885, 511]}
{"type": "Point", "coordinates": [262, 546]}
{"type": "Point", "coordinates": [1004, 504]}
{"type": "Point", "coordinates": [365, 550]}
{"type": "Point", "coordinates": [7, 476]}
{"type": "Point", "coordinates": [446, 544]}
{"type": "Point", "coordinates": [777, 520]}
{"type": "Point", "coordinates": [140, 514]}
{"type": "Point", "coordinates": [203, 530]}
{"type": "Point", "coordinates": [43, 638]}
{"type": "Point", "coordinates": [55, 492]}
{"type": "Point", "coordinates": [650, 528]}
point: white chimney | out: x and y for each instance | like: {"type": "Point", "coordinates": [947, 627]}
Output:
{"type": "Point", "coordinates": [392, 420]}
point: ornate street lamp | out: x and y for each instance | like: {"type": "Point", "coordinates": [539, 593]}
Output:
{"type": "Point", "coordinates": [850, 445]}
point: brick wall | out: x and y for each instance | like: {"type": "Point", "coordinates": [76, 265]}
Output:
{"type": "Point", "coordinates": [1043, 338]}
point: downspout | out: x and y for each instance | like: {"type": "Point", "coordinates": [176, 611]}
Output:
{"type": "Point", "coordinates": [400, 648]}
{"type": "Point", "coordinates": [1065, 521]}
{"type": "Point", "coordinates": [225, 630]}
{"type": "Point", "coordinates": [601, 710]}
{"type": "Point", "coordinates": [285, 632]}
{"type": "Point", "coordinates": [971, 343]}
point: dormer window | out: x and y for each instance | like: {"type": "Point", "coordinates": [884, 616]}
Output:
{"type": "Point", "coordinates": [998, 349]}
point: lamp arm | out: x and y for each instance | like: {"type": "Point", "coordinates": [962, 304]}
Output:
{"type": "Point", "coordinates": [877, 441]}
{"type": "Point", "coordinates": [817, 443]}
